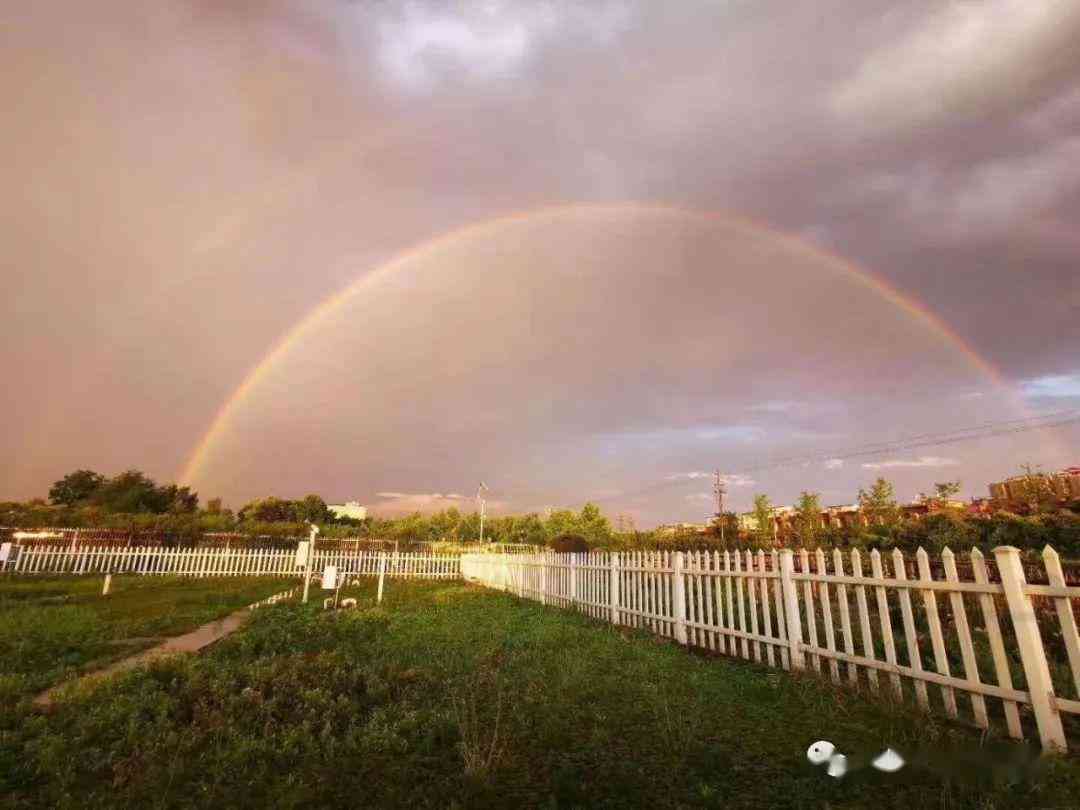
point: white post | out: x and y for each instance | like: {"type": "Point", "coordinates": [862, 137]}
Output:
{"type": "Point", "coordinates": [678, 595]}
{"type": "Point", "coordinates": [615, 588]}
{"type": "Point", "coordinates": [382, 575]}
{"type": "Point", "coordinates": [1032, 653]}
{"type": "Point", "coordinates": [573, 579]}
{"type": "Point", "coordinates": [791, 609]}
{"type": "Point", "coordinates": [309, 561]}
{"type": "Point", "coordinates": [105, 587]}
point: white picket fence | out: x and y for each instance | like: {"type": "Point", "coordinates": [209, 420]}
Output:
{"type": "Point", "coordinates": [220, 562]}
{"type": "Point", "coordinates": [778, 609]}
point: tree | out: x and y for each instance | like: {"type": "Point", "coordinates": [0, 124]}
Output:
{"type": "Point", "coordinates": [177, 499]}
{"type": "Point", "coordinates": [1038, 492]}
{"type": "Point", "coordinates": [134, 492]}
{"type": "Point", "coordinates": [569, 543]}
{"type": "Point", "coordinates": [312, 509]}
{"type": "Point", "coordinates": [763, 520]}
{"type": "Point", "coordinates": [878, 504]}
{"type": "Point", "coordinates": [944, 492]}
{"type": "Point", "coordinates": [593, 525]}
{"type": "Point", "coordinates": [268, 510]}
{"type": "Point", "coordinates": [76, 487]}
{"type": "Point", "coordinates": [808, 517]}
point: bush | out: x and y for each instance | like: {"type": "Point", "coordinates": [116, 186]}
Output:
{"type": "Point", "coordinates": [569, 544]}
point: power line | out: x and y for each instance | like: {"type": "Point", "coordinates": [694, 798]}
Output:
{"type": "Point", "coordinates": [949, 435]}
{"type": "Point", "coordinates": [987, 430]}
{"type": "Point", "coordinates": [927, 440]}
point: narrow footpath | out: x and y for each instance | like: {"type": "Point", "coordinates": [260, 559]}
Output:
{"type": "Point", "coordinates": [191, 642]}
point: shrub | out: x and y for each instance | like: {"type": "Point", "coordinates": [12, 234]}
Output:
{"type": "Point", "coordinates": [569, 543]}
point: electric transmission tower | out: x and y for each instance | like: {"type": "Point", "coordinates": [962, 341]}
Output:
{"type": "Point", "coordinates": [719, 491]}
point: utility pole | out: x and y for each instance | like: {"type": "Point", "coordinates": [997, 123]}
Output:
{"type": "Point", "coordinates": [718, 490]}
{"type": "Point", "coordinates": [480, 500]}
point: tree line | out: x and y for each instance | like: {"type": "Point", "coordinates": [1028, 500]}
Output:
{"type": "Point", "coordinates": [132, 501]}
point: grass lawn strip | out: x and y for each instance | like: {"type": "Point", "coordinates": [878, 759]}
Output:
{"type": "Point", "coordinates": [53, 629]}
{"type": "Point", "coordinates": [450, 696]}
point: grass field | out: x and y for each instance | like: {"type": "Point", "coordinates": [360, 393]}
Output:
{"type": "Point", "coordinates": [52, 629]}
{"type": "Point", "coordinates": [451, 696]}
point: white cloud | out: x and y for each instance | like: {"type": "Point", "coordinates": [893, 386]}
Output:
{"type": "Point", "coordinates": [394, 503]}
{"type": "Point", "coordinates": [420, 496]}
{"type": "Point", "coordinates": [411, 49]}
{"type": "Point", "coordinates": [419, 46]}
{"type": "Point", "coordinates": [690, 435]}
{"type": "Point", "coordinates": [922, 461]}
{"type": "Point", "coordinates": [834, 464]}
{"type": "Point", "coordinates": [734, 480]}
{"type": "Point", "coordinates": [965, 57]}
{"type": "Point", "coordinates": [738, 480]}
{"type": "Point", "coordinates": [990, 197]}
{"type": "Point", "coordinates": [774, 406]}
{"type": "Point", "coordinates": [1053, 386]}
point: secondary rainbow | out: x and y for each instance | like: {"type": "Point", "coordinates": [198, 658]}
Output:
{"type": "Point", "coordinates": [295, 335]}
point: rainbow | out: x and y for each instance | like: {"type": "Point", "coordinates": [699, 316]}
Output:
{"type": "Point", "coordinates": [291, 339]}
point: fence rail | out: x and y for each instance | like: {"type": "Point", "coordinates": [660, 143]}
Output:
{"type": "Point", "coordinates": [977, 638]}
{"type": "Point", "coordinates": [204, 561]}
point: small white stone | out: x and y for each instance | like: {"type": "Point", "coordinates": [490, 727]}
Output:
{"type": "Point", "coordinates": [819, 752]}
{"type": "Point", "coordinates": [837, 766]}
{"type": "Point", "coordinates": [888, 761]}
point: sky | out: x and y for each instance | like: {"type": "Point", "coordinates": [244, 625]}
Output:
{"type": "Point", "coordinates": [387, 251]}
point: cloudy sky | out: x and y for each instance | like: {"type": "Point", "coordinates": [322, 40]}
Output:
{"type": "Point", "coordinates": [385, 251]}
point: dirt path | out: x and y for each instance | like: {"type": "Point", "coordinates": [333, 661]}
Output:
{"type": "Point", "coordinates": [191, 642]}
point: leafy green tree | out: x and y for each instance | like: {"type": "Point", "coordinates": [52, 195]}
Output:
{"type": "Point", "coordinates": [177, 499]}
{"type": "Point", "coordinates": [76, 487]}
{"type": "Point", "coordinates": [593, 525]}
{"type": "Point", "coordinates": [561, 521]}
{"type": "Point", "coordinates": [808, 522]}
{"type": "Point", "coordinates": [763, 520]}
{"type": "Point", "coordinates": [134, 492]}
{"type": "Point", "coordinates": [1038, 492]}
{"type": "Point", "coordinates": [569, 543]}
{"type": "Point", "coordinates": [878, 504]}
{"type": "Point", "coordinates": [312, 509]}
{"type": "Point", "coordinates": [946, 491]}
{"type": "Point", "coordinates": [268, 510]}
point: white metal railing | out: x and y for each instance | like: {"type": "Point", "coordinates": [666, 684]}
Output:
{"type": "Point", "coordinates": [794, 610]}
{"type": "Point", "coordinates": [216, 562]}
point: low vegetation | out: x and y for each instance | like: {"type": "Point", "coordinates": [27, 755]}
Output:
{"type": "Point", "coordinates": [52, 629]}
{"type": "Point", "coordinates": [451, 696]}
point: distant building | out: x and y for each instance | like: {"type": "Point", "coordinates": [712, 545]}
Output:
{"type": "Point", "coordinates": [351, 509]}
{"type": "Point", "coordinates": [681, 528]}
{"type": "Point", "coordinates": [1063, 486]}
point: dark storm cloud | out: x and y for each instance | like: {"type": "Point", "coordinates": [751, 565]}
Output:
{"type": "Point", "coordinates": [187, 179]}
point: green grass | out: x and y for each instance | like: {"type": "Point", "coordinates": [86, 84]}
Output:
{"type": "Point", "coordinates": [450, 696]}
{"type": "Point", "coordinates": [53, 629]}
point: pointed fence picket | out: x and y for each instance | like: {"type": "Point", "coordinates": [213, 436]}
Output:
{"type": "Point", "coordinates": [761, 607]}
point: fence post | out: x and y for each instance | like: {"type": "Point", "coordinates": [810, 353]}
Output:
{"type": "Point", "coordinates": [573, 579]}
{"type": "Point", "coordinates": [382, 575]}
{"type": "Point", "coordinates": [678, 595]}
{"type": "Point", "coordinates": [1032, 652]}
{"type": "Point", "coordinates": [791, 609]}
{"type": "Point", "coordinates": [615, 588]}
